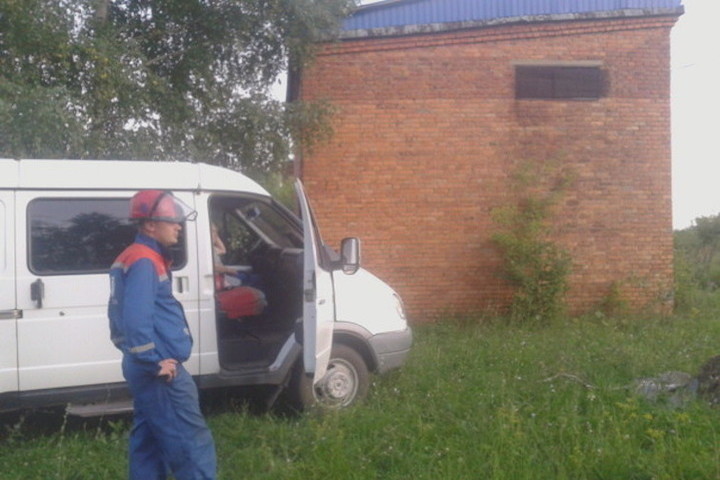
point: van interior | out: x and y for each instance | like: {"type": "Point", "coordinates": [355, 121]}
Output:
{"type": "Point", "coordinates": [263, 255]}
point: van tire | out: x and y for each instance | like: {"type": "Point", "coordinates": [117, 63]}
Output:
{"type": "Point", "coordinates": [345, 383]}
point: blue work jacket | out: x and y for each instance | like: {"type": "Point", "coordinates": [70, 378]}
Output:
{"type": "Point", "coordinates": [147, 323]}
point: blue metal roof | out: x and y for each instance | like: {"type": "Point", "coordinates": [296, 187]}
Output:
{"type": "Point", "coordinates": [394, 13]}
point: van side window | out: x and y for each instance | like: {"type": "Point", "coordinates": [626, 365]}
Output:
{"type": "Point", "coordinates": [81, 235]}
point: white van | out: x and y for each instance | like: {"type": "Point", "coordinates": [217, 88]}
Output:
{"type": "Point", "coordinates": [327, 325]}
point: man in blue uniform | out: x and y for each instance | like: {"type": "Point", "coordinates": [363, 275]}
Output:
{"type": "Point", "coordinates": [148, 325]}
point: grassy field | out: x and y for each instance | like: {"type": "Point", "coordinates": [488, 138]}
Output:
{"type": "Point", "coordinates": [474, 402]}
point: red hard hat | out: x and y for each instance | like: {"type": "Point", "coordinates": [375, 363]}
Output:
{"type": "Point", "coordinates": [159, 205]}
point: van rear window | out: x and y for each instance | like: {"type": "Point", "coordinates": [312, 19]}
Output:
{"type": "Point", "coordinates": [81, 235]}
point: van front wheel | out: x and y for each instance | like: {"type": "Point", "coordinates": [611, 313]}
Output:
{"type": "Point", "coordinates": [346, 382]}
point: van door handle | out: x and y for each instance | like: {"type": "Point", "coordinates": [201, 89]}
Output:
{"type": "Point", "coordinates": [183, 284]}
{"type": "Point", "coordinates": [10, 314]}
{"type": "Point", "coordinates": [37, 292]}
{"type": "Point", "coordinates": [309, 295]}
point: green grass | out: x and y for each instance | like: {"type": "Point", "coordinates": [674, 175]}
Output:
{"type": "Point", "coordinates": [474, 402]}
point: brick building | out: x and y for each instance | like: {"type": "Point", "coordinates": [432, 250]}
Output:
{"type": "Point", "coordinates": [437, 103]}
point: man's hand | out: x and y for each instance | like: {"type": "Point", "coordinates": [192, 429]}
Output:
{"type": "Point", "coordinates": [168, 369]}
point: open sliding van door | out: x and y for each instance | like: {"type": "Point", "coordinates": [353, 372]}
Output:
{"type": "Point", "coordinates": [8, 308]}
{"type": "Point", "coordinates": [318, 301]}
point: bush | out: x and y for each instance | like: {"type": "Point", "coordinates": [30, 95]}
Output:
{"type": "Point", "coordinates": [534, 264]}
{"type": "Point", "coordinates": [697, 268]}
{"type": "Point", "coordinates": [686, 287]}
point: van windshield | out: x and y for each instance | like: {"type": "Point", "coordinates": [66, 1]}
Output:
{"type": "Point", "coordinates": [271, 224]}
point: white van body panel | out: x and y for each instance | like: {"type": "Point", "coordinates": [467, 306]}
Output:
{"type": "Point", "coordinates": [8, 311]}
{"type": "Point", "coordinates": [9, 172]}
{"type": "Point", "coordinates": [365, 300]}
{"type": "Point", "coordinates": [122, 175]}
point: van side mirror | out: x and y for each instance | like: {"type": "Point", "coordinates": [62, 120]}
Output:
{"type": "Point", "coordinates": [350, 255]}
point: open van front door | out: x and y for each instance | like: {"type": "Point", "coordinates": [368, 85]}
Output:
{"type": "Point", "coordinates": [318, 301]}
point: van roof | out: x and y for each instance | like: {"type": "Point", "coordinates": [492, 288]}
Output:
{"type": "Point", "coordinates": [121, 175]}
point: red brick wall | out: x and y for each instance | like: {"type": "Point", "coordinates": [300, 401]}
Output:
{"type": "Point", "coordinates": [427, 132]}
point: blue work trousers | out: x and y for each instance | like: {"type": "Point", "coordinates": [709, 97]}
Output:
{"type": "Point", "coordinates": [169, 432]}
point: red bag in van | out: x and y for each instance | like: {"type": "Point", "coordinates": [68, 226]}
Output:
{"type": "Point", "coordinates": [241, 302]}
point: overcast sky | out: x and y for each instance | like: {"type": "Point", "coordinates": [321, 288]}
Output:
{"type": "Point", "coordinates": [696, 112]}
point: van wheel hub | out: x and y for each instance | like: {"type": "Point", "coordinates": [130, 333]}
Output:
{"type": "Point", "coordinates": [339, 385]}
{"type": "Point", "coordinates": [345, 382]}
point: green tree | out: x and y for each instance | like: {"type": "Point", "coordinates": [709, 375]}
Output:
{"type": "Point", "coordinates": [157, 79]}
